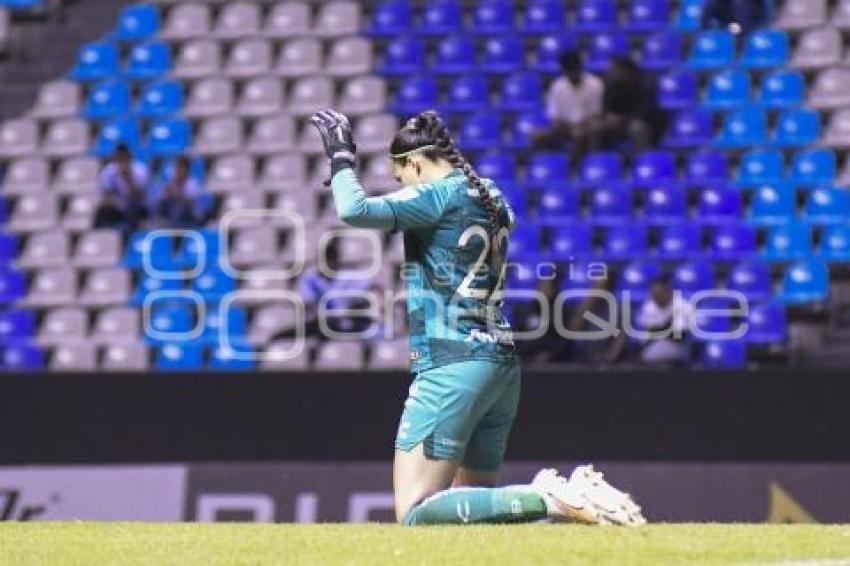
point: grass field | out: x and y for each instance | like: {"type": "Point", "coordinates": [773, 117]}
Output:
{"type": "Point", "coordinates": [71, 544]}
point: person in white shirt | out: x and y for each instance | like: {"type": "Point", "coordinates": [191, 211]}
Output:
{"type": "Point", "coordinates": [123, 185]}
{"type": "Point", "coordinates": [668, 316]}
{"type": "Point", "coordinates": [573, 100]}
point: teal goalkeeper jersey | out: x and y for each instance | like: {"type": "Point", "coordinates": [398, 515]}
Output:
{"type": "Point", "coordinates": [453, 265]}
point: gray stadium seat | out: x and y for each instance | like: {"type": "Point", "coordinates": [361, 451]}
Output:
{"type": "Point", "coordinates": [80, 212]}
{"type": "Point", "coordinates": [818, 48]}
{"type": "Point", "coordinates": [260, 97]}
{"type": "Point", "coordinates": [338, 18]}
{"type": "Point", "coordinates": [837, 132]}
{"type": "Point", "coordinates": [271, 319]}
{"type": "Point", "coordinates": [66, 137]}
{"type": "Point", "coordinates": [389, 354]}
{"type": "Point", "coordinates": [320, 173]}
{"type": "Point", "coordinates": [254, 246]}
{"type": "Point", "coordinates": [378, 174]}
{"type": "Point", "coordinates": [272, 134]}
{"type": "Point", "coordinates": [74, 357]}
{"type": "Point", "coordinates": [52, 288]}
{"type": "Point", "coordinates": [349, 56]}
{"type": "Point", "coordinates": [299, 58]}
{"type": "Point", "coordinates": [356, 247]}
{"type": "Point", "coordinates": [284, 173]}
{"type": "Point", "coordinates": [288, 19]}
{"type": "Point", "coordinates": [310, 142]}
{"type": "Point", "coordinates": [244, 200]}
{"type": "Point", "coordinates": [231, 173]}
{"type": "Point", "coordinates": [187, 21]}
{"type": "Point", "coordinates": [99, 248]}
{"type": "Point", "coordinates": [802, 14]}
{"type": "Point", "coordinates": [45, 249]}
{"type": "Point", "coordinates": [303, 202]}
{"type": "Point", "coordinates": [218, 135]}
{"type": "Point", "coordinates": [831, 89]}
{"type": "Point", "coordinates": [841, 15]}
{"type": "Point", "coordinates": [106, 287]}
{"type": "Point", "coordinates": [258, 280]}
{"type": "Point", "coordinates": [311, 94]}
{"type": "Point", "coordinates": [249, 58]}
{"type": "Point", "coordinates": [339, 355]}
{"type": "Point", "coordinates": [26, 175]}
{"type": "Point", "coordinates": [198, 58]}
{"type": "Point", "coordinates": [77, 175]}
{"type": "Point", "coordinates": [33, 213]}
{"type": "Point", "coordinates": [58, 99]}
{"type": "Point", "coordinates": [18, 137]}
{"type": "Point", "coordinates": [126, 357]}
{"type": "Point", "coordinates": [117, 325]}
{"type": "Point", "coordinates": [209, 97]}
{"type": "Point", "coordinates": [237, 20]}
{"type": "Point", "coordinates": [374, 133]}
{"type": "Point", "coordinates": [281, 355]}
{"type": "Point", "coordinates": [363, 95]}
{"type": "Point", "coordinates": [62, 325]}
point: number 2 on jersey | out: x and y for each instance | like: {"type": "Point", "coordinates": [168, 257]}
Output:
{"type": "Point", "coordinates": [466, 289]}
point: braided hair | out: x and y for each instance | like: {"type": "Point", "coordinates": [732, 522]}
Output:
{"type": "Point", "coordinates": [426, 134]}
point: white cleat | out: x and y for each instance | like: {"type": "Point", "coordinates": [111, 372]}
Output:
{"type": "Point", "coordinates": [609, 504]}
{"type": "Point", "coordinates": [563, 501]}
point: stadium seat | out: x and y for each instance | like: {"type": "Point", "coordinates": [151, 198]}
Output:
{"type": "Point", "coordinates": [724, 354]}
{"type": "Point", "coordinates": [583, 276]}
{"type": "Point", "coordinates": [66, 137]}
{"type": "Point", "coordinates": [481, 130]}
{"type": "Point", "coordinates": [782, 89]}
{"type": "Point", "coordinates": [653, 168]}
{"type": "Point", "coordinates": [549, 51]}
{"type": "Point", "coordinates": [158, 251]}
{"type": "Point", "coordinates": [728, 90]}
{"type": "Point", "coordinates": [187, 21]}
{"type": "Point", "coordinates": [752, 279]}
{"type": "Point", "coordinates": [705, 168]}
{"type": "Point", "coordinates": [797, 128]}
{"type": "Point", "coordinates": [605, 46]}
{"type": "Point", "coordinates": [548, 171]}
{"type": "Point", "coordinates": [136, 22]}
{"type": "Point", "coordinates": [831, 89]}
{"type": "Point", "coordinates": [557, 205]}
{"type": "Point", "coordinates": [249, 58]}
{"type": "Point", "coordinates": [761, 167]}
{"type": "Point", "coordinates": [239, 357]}
{"type": "Point", "coordinates": [63, 325]}
{"type": "Point", "coordinates": [499, 166]}
{"type": "Point", "coordinates": [525, 241]}
{"type": "Point", "coordinates": [442, 17]}
{"type": "Point", "coordinates": [16, 325]}
{"type": "Point", "coordinates": [594, 16]}
{"type": "Point", "coordinates": [786, 243]}
{"type": "Point", "coordinates": [107, 99]}
{"type": "Point", "coordinates": [416, 94]}
{"type": "Point", "coordinates": [502, 54]}
{"type": "Point", "coordinates": [180, 356]}
{"type": "Point", "coordinates": [22, 357]}
{"type": "Point", "coordinates": [693, 276]}
{"type": "Point", "coordinates": [771, 206]}
{"type": "Point", "coordinates": [521, 277]}
{"type": "Point", "coordinates": [719, 205]}
{"type": "Point", "coordinates": [544, 16]}
{"type": "Point", "coordinates": [712, 49]}
{"type": "Point", "coordinates": [610, 204]}
{"type": "Point", "coordinates": [493, 17]}
{"type": "Point", "coordinates": [827, 206]}
{"type": "Point", "coordinates": [210, 97]}
{"type": "Point", "coordinates": [45, 249]}
{"type": "Point", "coordinates": [302, 57]}
{"type": "Point", "coordinates": [661, 51]}
{"type": "Point", "coordinates": [835, 244]}
{"type": "Point", "coordinates": [764, 49]}
{"type": "Point", "coordinates": [805, 282]}
{"type": "Point", "coordinates": [339, 355]}
{"type": "Point", "coordinates": [389, 355]}
{"type": "Point", "coordinates": [26, 175]}
{"type": "Point", "coordinates": [217, 136]}
{"type": "Point", "coordinates": [572, 241]}
{"type": "Point", "coordinates": [679, 241]}
{"type": "Point", "coordinates": [237, 20]}
{"type": "Point", "coordinates": [149, 284]}
{"type": "Point", "coordinates": [665, 205]}
{"type": "Point", "coordinates": [624, 241]}
{"type": "Point", "coordinates": [363, 95]}
{"type": "Point", "coordinates": [818, 49]}
{"type": "Point", "coordinates": [455, 55]}
{"type": "Point", "coordinates": [689, 17]}
{"type": "Point", "coordinates": [96, 61]}
{"type": "Point", "coordinates": [12, 286]}
{"type": "Point", "coordinates": [600, 169]}
{"type": "Point", "coordinates": [261, 96]}
{"type": "Point", "coordinates": [521, 91]}
{"type": "Point", "coordinates": [58, 99]}
{"type": "Point", "coordinates": [160, 99]}
{"type": "Point", "coordinates": [403, 55]}
{"type": "Point", "coordinates": [767, 324]}
{"type": "Point", "coordinates": [648, 15]}
{"type": "Point", "coordinates": [8, 249]}
{"type": "Point", "coordinates": [732, 242]}
{"type": "Point", "coordinates": [349, 57]}
{"type": "Point", "coordinates": [466, 93]}
{"type": "Point", "coordinates": [802, 14]}
{"type": "Point", "coordinates": [213, 284]}
{"type": "Point", "coordinates": [198, 58]}
{"type": "Point", "coordinates": [234, 325]}
{"type": "Point", "coordinates": [525, 124]}
{"type": "Point", "coordinates": [337, 19]}
{"type": "Point", "coordinates": [170, 136]}
{"type": "Point", "coordinates": [837, 132]}
{"type": "Point", "coordinates": [743, 128]}
{"type": "Point", "coordinates": [690, 128]}
{"type": "Point", "coordinates": [391, 18]}
{"type": "Point", "coordinates": [148, 61]}
{"type": "Point", "coordinates": [678, 90]}
{"type": "Point", "coordinates": [636, 279]}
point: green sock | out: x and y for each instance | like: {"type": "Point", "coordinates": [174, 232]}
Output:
{"type": "Point", "coordinates": [511, 504]}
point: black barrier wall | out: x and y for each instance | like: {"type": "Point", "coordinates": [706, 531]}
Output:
{"type": "Point", "coordinates": [791, 416]}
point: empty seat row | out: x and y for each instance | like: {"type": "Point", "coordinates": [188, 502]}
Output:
{"type": "Point", "coordinates": [804, 14]}
{"type": "Point", "coordinates": [730, 88]}
{"type": "Point", "coordinates": [744, 127]}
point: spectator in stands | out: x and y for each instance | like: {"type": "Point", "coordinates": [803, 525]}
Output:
{"type": "Point", "coordinates": [739, 16]}
{"type": "Point", "coordinates": [599, 336]}
{"type": "Point", "coordinates": [573, 100]}
{"type": "Point", "coordinates": [123, 185]}
{"type": "Point", "coordinates": [665, 316]}
{"type": "Point", "coordinates": [528, 316]}
{"type": "Point", "coordinates": [181, 201]}
{"type": "Point", "coordinates": [630, 110]}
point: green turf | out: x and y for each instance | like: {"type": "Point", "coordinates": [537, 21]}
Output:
{"type": "Point", "coordinates": [70, 544]}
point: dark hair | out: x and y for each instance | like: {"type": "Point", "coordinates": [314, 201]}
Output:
{"type": "Point", "coordinates": [569, 60]}
{"type": "Point", "coordinates": [184, 161]}
{"type": "Point", "coordinates": [122, 149]}
{"type": "Point", "coordinates": [663, 279]}
{"type": "Point", "coordinates": [428, 135]}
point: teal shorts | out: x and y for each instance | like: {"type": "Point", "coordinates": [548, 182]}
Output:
{"type": "Point", "coordinates": [462, 412]}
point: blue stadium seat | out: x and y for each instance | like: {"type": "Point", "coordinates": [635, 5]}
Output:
{"type": "Point", "coordinates": [16, 325]}
{"type": "Point", "coordinates": [549, 50]}
{"type": "Point", "coordinates": [148, 284]}
{"type": "Point", "coordinates": [594, 16]}
{"type": "Point", "coordinates": [391, 17]}
{"type": "Point", "coordinates": [170, 321]}
{"type": "Point", "coordinates": [12, 286]}
{"type": "Point", "coordinates": [662, 50]}
{"type": "Point", "coordinates": [743, 128]}
{"type": "Point", "coordinates": [653, 168]}
{"type": "Point", "coordinates": [136, 22]}
{"type": "Point", "coordinates": [797, 127]}
{"type": "Point", "coordinates": [494, 16]}
{"type": "Point", "coordinates": [213, 284]}
{"type": "Point", "coordinates": [467, 93]}
{"type": "Point", "coordinates": [835, 244]}
{"type": "Point", "coordinates": [713, 49]}
{"type": "Point", "coordinates": [626, 241]}
{"type": "Point", "coordinates": [107, 99]}
{"type": "Point", "coordinates": [8, 248]}
{"type": "Point", "coordinates": [719, 205]}
{"type": "Point", "coordinates": [119, 131]}
{"type": "Point", "coordinates": [502, 54]}
{"type": "Point", "coordinates": [482, 130]}
{"type": "Point", "coordinates": [548, 170]}
{"type": "Point", "coordinates": [601, 168]}
{"type": "Point", "coordinates": [805, 282]}
{"type": "Point", "coordinates": [521, 276]}
{"type": "Point", "coordinates": [761, 167]}
{"type": "Point", "coordinates": [192, 250]}
{"type": "Point", "coordinates": [160, 99]}
{"type": "Point", "coordinates": [733, 242]}
{"type": "Point", "coordinates": [767, 324]}
{"type": "Point", "coordinates": [500, 167]}
{"type": "Point", "coordinates": [636, 279]}
{"type": "Point", "coordinates": [728, 89]}
{"type": "Point", "coordinates": [828, 206]}
{"type": "Point", "coordinates": [665, 205]}
{"type": "Point", "coordinates": [558, 204]}
{"type": "Point", "coordinates": [416, 94]}
{"type": "Point", "coordinates": [544, 16]}
{"type": "Point", "coordinates": [813, 167]}
{"type": "Point", "coordinates": [21, 356]}
{"type": "Point", "coordinates": [680, 241]}
{"type": "Point", "coordinates": [724, 354]}
{"type": "Point", "coordinates": [524, 125]}
{"type": "Point", "coordinates": [689, 17]}
{"type": "Point", "coordinates": [690, 128]}
{"type": "Point", "coordinates": [765, 48]}
{"type": "Point", "coordinates": [96, 61]}
{"type": "Point", "coordinates": [404, 55]}
{"type": "Point", "coordinates": [521, 91]}
{"type": "Point", "coordinates": [582, 277]}
{"type": "Point", "coordinates": [234, 325]}
{"type": "Point", "coordinates": [705, 168]}
{"type": "Point", "coordinates": [678, 90]}
{"type": "Point", "coordinates": [455, 55]}
{"type": "Point", "coordinates": [239, 357]}
{"type": "Point", "coordinates": [786, 243]}
{"type": "Point", "coordinates": [158, 249]}
{"type": "Point", "coordinates": [148, 61]}
{"type": "Point", "coordinates": [441, 17]}
{"type": "Point", "coordinates": [605, 46]}
{"type": "Point", "coordinates": [171, 136]}
{"type": "Point", "coordinates": [782, 89]}
{"type": "Point", "coordinates": [610, 204]}
{"type": "Point", "coordinates": [708, 323]}
{"type": "Point", "coordinates": [572, 240]}
{"type": "Point", "coordinates": [648, 15]}
{"type": "Point", "coordinates": [693, 276]}
{"type": "Point", "coordinates": [197, 169]}
{"type": "Point", "coordinates": [180, 356]}
{"type": "Point", "coordinates": [515, 197]}
{"type": "Point", "coordinates": [772, 206]}
{"type": "Point", "coordinates": [752, 279]}
{"type": "Point", "coordinates": [524, 242]}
